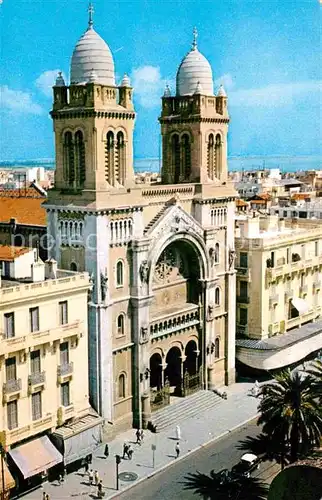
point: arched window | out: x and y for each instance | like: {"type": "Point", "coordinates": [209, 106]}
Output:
{"type": "Point", "coordinates": [109, 157]}
{"type": "Point", "coordinates": [119, 273]}
{"type": "Point", "coordinates": [73, 266]}
{"type": "Point", "coordinates": [210, 156]}
{"type": "Point", "coordinates": [218, 158]}
{"type": "Point", "coordinates": [120, 324]}
{"type": "Point", "coordinates": [80, 158]}
{"type": "Point", "coordinates": [175, 158]}
{"type": "Point", "coordinates": [68, 159]}
{"type": "Point", "coordinates": [217, 253]}
{"type": "Point", "coordinates": [121, 386]}
{"type": "Point", "coordinates": [217, 348]}
{"type": "Point", "coordinates": [186, 157]}
{"type": "Point", "coordinates": [120, 158]}
{"type": "Point", "coordinates": [217, 296]}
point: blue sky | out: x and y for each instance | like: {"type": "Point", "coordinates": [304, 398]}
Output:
{"type": "Point", "coordinates": [267, 53]}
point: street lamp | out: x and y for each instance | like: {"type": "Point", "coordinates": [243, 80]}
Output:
{"type": "Point", "coordinates": [2, 453]}
{"type": "Point", "coordinates": [117, 461]}
{"type": "Point", "coordinates": [153, 448]}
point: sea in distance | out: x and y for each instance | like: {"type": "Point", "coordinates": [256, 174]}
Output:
{"type": "Point", "coordinates": [235, 163]}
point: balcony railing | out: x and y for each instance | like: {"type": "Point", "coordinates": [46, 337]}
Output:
{"type": "Point", "coordinates": [37, 378]}
{"type": "Point", "coordinates": [242, 299]}
{"type": "Point", "coordinates": [65, 369]}
{"type": "Point", "coordinates": [243, 271]}
{"type": "Point", "coordinates": [12, 386]}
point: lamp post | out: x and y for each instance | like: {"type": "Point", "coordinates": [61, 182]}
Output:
{"type": "Point", "coordinates": [153, 448]}
{"type": "Point", "coordinates": [117, 461]}
{"type": "Point", "coordinates": [2, 453]}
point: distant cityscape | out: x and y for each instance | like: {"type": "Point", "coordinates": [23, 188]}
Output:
{"type": "Point", "coordinates": [235, 163]}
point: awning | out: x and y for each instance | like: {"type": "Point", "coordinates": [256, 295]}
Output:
{"type": "Point", "coordinates": [9, 482]}
{"type": "Point", "coordinates": [301, 305]}
{"type": "Point", "coordinates": [36, 456]}
{"type": "Point", "coordinates": [80, 438]}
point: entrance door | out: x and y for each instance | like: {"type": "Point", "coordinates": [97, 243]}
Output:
{"type": "Point", "coordinates": [173, 370]}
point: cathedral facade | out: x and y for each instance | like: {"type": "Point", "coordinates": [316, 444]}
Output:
{"type": "Point", "coordinates": [162, 307]}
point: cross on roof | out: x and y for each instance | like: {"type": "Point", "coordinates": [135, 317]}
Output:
{"type": "Point", "coordinates": [195, 36]}
{"type": "Point", "coordinates": [90, 14]}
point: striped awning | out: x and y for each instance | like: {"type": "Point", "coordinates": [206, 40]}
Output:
{"type": "Point", "coordinates": [36, 456]}
{"type": "Point", "coordinates": [9, 482]}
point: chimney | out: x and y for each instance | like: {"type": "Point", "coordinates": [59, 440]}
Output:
{"type": "Point", "coordinates": [37, 271]}
{"type": "Point", "coordinates": [51, 269]}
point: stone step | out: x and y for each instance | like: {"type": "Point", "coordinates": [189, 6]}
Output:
{"type": "Point", "coordinates": [186, 408]}
{"type": "Point", "coordinates": [184, 402]}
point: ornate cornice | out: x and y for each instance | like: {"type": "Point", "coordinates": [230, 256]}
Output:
{"type": "Point", "coordinates": [194, 119]}
{"type": "Point", "coordinates": [83, 113]}
{"type": "Point", "coordinates": [215, 201]}
{"type": "Point", "coordinates": [65, 213]}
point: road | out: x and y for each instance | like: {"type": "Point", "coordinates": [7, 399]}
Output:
{"type": "Point", "coordinates": [222, 454]}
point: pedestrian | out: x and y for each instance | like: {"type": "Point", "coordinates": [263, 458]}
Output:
{"type": "Point", "coordinates": [106, 451]}
{"type": "Point", "coordinates": [178, 433]}
{"type": "Point", "coordinates": [177, 449]}
{"type": "Point", "coordinates": [100, 489]}
{"type": "Point", "coordinates": [60, 479]}
{"type": "Point", "coordinates": [47, 496]}
{"type": "Point", "coordinates": [86, 467]}
{"type": "Point", "coordinates": [90, 477]}
{"type": "Point", "coordinates": [96, 478]}
{"type": "Point", "coordinates": [44, 495]}
{"type": "Point", "coordinates": [125, 450]}
{"type": "Point", "coordinates": [138, 437]}
{"type": "Point", "coordinates": [130, 452]}
{"type": "Point", "coordinates": [142, 435]}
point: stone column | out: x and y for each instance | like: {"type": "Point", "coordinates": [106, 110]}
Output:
{"type": "Point", "coordinates": [146, 409]}
{"type": "Point", "coordinates": [183, 358]}
{"type": "Point", "coordinates": [163, 368]}
{"type": "Point", "coordinates": [211, 377]}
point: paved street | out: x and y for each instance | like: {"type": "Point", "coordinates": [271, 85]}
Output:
{"type": "Point", "coordinates": [196, 432]}
{"type": "Point", "coordinates": [219, 455]}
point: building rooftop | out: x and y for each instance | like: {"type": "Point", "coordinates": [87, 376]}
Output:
{"type": "Point", "coordinates": [25, 210]}
{"type": "Point", "coordinates": [10, 253]}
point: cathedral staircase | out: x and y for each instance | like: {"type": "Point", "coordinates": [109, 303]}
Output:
{"type": "Point", "coordinates": [188, 407]}
{"type": "Point", "coordinates": [155, 220]}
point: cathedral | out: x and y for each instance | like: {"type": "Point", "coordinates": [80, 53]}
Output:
{"type": "Point", "coordinates": [160, 256]}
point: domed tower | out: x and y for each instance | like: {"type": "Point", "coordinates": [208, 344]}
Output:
{"type": "Point", "coordinates": [93, 122]}
{"type": "Point", "coordinates": [194, 125]}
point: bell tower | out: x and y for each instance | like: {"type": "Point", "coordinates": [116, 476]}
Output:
{"type": "Point", "coordinates": [194, 125]}
{"type": "Point", "coordinates": [93, 122]}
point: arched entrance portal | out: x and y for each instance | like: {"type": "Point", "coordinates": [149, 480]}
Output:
{"type": "Point", "coordinates": [191, 364]}
{"type": "Point", "coordinates": [156, 372]}
{"type": "Point", "coordinates": [173, 370]}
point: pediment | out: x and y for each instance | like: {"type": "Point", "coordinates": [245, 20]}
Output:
{"type": "Point", "coordinates": [174, 219]}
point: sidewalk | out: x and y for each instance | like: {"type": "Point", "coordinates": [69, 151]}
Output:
{"type": "Point", "coordinates": [195, 433]}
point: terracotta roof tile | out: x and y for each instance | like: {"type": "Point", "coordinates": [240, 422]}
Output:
{"type": "Point", "coordinates": [10, 253]}
{"type": "Point", "coordinates": [25, 210]}
{"type": "Point", "coordinates": [29, 192]}
{"type": "Point", "coordinates": [241, 203]}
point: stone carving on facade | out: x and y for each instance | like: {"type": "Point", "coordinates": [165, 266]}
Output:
{"type": "Point", "coordinates": [210, 312]}
{"type": "Point", "coordinates": [144, 271]}
{"type": "Point", "coordinates": [90, 294]}
{"type": "Point", "coordinates": [212, 256]}
{"type": "Point", "coordinates": [104, 280]}
{"type": "Point", "coordinates": [145, 374]}
{"type": "Point", "coordinates": [231, 258]}
{"type": "Point", "coordinates": [176, 220]}
{"type": "Point", "coordinates": [144, 334]}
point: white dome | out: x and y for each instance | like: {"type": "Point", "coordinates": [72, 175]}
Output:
{"type": "Point", "coordinates": [92, 55]}
{"type": "Point", "coordinates": [194, 71]}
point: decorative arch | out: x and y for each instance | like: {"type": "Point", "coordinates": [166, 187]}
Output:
{"type": "Point", "coordinates": [80, 168]}
{"type": "Point", "coordinates": [211, 157]}
{"type": "Point", "coordinates": [119, 157]}
{"type": "Point", "coordinates": [121, 385]}
{"type": "Point", "coordinates": [218, 156]}
{"type": "Point", "coordinates": [217, 253]}
{"type": "Point", "coordinates": [217, 347]}
{"type": "Point", "coordinates": [175, 157]}
{"type": "Point", "coordinates": [186, 156]}
{"type": "Point", "coordinates": [73, 266]}
{"type": "Point", "coordinates": [68, 158]}
{"type": "Point", "coordinates": [109, 156]}
{"type": "Point", "coordinates": [120, 324]}
{"type": "Point", "coordinates": [217, 296]}
{"type": "Point", "coordinates": [175, 343]}
{"type": "Point", "coordinates": [155, 366]}
{"type": "Point", "coordinates": [120, 273]}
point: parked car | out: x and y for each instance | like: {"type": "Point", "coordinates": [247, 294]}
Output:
{"type": "Point", "coordinates": [247, 464]}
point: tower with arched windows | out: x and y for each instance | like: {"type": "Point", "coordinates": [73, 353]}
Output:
{"type": "Point", "coordinates": [194, 125]}
{"type": "Point", "coordinates": [93, 123]}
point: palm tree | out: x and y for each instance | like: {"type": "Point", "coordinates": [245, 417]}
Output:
{"type": "Point", "coordinates": [315, 371]}
{"type": "Point", "coordinates": [290, 411]}
{"type": "Point", "coordinates": [225, 486]}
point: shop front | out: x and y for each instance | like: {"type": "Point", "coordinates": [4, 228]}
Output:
{"type": "Point", "coordinates": [77, 440]}
{"type": "Point", "coordinates": [7, 482]}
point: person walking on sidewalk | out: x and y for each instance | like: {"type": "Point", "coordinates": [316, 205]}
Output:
{"type": "Point", "coordinates": [125, 450]}
{"type": "Point", "coordinates": [96, 478]}
{"type": "Point", "coordinates": [106, 451]}
{"type": "Point", "coordinates": [100, 489]}
{"type": "Point", "coordinates": [178, 432]}
{"type": "Point", "coordinates": [130, 452]}
{"type": "Point", "coordinates": [138, 437]}
{"type": "Point", "coordinates": [90, 477]}
{"type": "Point", "coordinates": [177, 449]}
{"type": "Point", "coordinates": [142, 435]}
